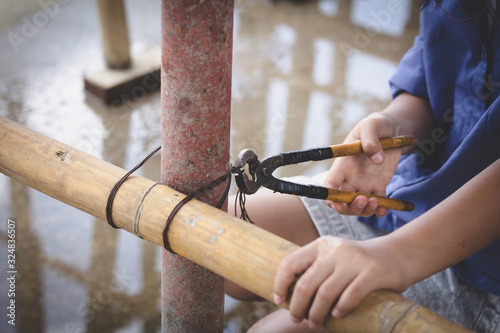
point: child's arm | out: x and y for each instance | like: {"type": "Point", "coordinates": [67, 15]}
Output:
{"type": "Point", "coordinates": [346, 271]}
{"type": "Point", "coordinates": [370, 173]}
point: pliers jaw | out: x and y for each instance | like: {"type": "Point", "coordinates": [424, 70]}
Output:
{"type": "Point", "coordinates": [261, 171]}
{"type": "Point", "coordinates": [245, 184]}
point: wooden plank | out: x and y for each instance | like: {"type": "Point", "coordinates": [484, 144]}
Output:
{"type": "Point", "coordinates": [114, 32]}
{"type": "Point", "coordinates": [114, 86]}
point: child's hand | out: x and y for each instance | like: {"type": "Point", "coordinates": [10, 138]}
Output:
{"type": "Point", "coordinates": [367, 173]}
{"type": "Point", "coordinates": [337, 272]}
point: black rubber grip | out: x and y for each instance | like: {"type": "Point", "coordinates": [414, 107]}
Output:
{"type": "Point", "coordinates": [299, 156]}
{"type": "Point", "coordinates": [310, 191]}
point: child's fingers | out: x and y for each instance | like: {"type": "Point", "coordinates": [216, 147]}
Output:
{"type": "Point", "coordinates": [353, 294]}
{"type": "Point", "coordinates": [370, 142]}
{"type": "Point", "coordinates": [381, 212]}
{"type": "Point", "coordinates": [326, 296]}
{"type": "Point", "coordinates": [361, 206]}
{"type": "Point", "coordinates": [307, 286]}
{"type": "Point", "coordinates": [293, 264]}
{"type": "Point", "coordinates": [334, 178]}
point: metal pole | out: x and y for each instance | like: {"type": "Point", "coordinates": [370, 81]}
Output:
{"type": "Point", "coordinates": [196, 101]}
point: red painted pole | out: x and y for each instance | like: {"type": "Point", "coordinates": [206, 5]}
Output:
{"type": "Point", "coordinates": [197, 38]}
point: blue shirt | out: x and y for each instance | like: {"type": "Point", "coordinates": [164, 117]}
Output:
{"type": "Point", "coordinates": [451, 64]}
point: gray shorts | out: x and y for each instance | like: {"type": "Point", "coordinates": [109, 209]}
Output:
{"type": "Point", "coordinates": [444, 293]}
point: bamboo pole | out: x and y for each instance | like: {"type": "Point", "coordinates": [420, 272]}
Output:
{"type": "Point", "coordinates": [238, 251]}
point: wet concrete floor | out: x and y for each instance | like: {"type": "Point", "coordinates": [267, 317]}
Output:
{"type": "Point", "coordinates": [304, 73]}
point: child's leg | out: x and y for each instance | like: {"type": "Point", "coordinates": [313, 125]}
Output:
{"type": "Point", "coordinates": [279, 322]}
{"type": "Point", "coordinates": [451, 297]}
{"type": "Point", "coordinates": [283, 215]}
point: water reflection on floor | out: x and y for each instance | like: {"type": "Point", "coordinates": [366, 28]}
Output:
{"type": "Point", "coordinates": [303, 75]}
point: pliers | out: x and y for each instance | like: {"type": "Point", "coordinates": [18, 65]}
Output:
{"type": "Point", "coordinates": [261, 172]}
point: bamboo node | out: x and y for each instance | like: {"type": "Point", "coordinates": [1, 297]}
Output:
{"type": "Point", "coordinates": [137, 232]}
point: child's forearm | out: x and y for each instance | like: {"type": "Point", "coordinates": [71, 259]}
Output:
{"type": "Point", "coordinates": [461, 225]}
{"type": "Point", "coordinates": [411, 115]}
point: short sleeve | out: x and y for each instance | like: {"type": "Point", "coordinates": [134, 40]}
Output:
{"type": "Point", "coordinates": [410, 74]}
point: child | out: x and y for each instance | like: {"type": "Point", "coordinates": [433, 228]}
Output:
{"type": "Point", "coordinates": [446, 253]}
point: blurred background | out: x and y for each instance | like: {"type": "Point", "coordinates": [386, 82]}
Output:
{"type": "Point", "coordinates": [304, 73]}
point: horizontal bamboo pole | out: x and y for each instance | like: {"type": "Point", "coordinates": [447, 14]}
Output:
{"type": "Point", "coordinates": [238, 251]}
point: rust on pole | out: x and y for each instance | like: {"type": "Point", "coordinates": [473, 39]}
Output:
{"type": "Point", "coordinates": [196, 100]}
